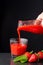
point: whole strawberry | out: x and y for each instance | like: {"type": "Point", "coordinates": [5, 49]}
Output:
{"type": "Point", "coordinates": [28, 54]}
{"type": "Point", "coordinates": [40, 55]}
{"type": "Point", "coordinates": [33, 58]}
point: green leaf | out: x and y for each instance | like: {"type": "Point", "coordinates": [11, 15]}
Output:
{"type": "Point", "coordinates": [17, 58]}
{"type": "Point", "coordinates": [31, 52]}
{"type": "Point", "coordinates": [20, 58]}
{"type": "Point", "coordinates": [23, 61]}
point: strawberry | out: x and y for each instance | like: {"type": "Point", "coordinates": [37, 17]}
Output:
{"type": "Point", "coordinates": [33, 58]}
{"type": "Point", "coordinates": [23, 58]}
{"type": "Point", "coordinates": [40, 55]}
{"type": "Point", "coordinates": [28, 54]}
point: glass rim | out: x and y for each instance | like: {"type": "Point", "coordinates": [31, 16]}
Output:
{"type": "Point", "coordinates": [22, 40]}
{"type": "Point", "coordinates": [13, 40]}
{"type": "Point", "coordinates": [28, 22]}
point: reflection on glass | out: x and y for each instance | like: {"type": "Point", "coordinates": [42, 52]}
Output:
{"type": "Point", "coordinates": [18, 63]}
{"type": "Point", "coordinates": [11, 62]}
{"type": "Point", "coordinates": [40, 63]}
{"type": "Point", "coordinates": [35, 64]}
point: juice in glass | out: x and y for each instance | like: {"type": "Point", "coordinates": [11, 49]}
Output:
{"type": "Point", "coordinates": [18, 47]}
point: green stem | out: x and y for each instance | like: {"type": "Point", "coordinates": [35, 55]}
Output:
{"type": "Point", "coordinates": [42, 50]}
{"type": "Point", "coordinates": [31, 52]}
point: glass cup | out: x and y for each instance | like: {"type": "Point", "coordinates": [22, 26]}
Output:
{"type": "Point", "coordinates": [18, 47]}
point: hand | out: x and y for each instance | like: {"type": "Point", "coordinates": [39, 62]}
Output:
{"type": "Point", "coordinates": [39, 19]}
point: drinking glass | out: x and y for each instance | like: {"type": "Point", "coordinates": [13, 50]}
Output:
{"type": "Point", "coordinates": [18, 47]}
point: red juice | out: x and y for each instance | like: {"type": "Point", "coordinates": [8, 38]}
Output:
{"type": "Point", "coordinates": [17, 49]}
{"type": "Point", "coordinates": [36, 29]}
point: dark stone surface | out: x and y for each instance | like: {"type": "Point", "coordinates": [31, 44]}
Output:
{"type": "Point", "coordinates": [5, 59]}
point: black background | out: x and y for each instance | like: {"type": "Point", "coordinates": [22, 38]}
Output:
{"type": "Point", "coordinates": [13, 10]}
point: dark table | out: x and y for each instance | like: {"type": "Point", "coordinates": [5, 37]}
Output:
{"type": "Point", "coordinates": [5, 59]}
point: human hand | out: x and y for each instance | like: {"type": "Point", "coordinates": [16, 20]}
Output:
{"type": "Point", "coordinates": [39, 19]}
{"type": "Point", "coordinates": [40, 16]}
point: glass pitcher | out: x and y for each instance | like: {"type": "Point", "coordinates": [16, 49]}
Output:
{"type": "Point", "coordinates": [33, 26]}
